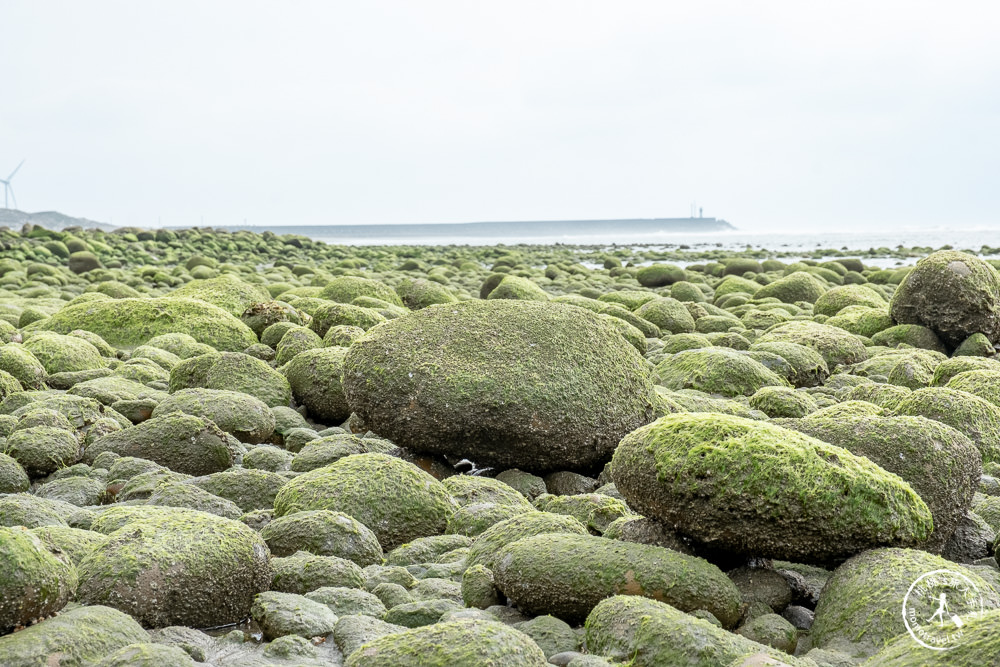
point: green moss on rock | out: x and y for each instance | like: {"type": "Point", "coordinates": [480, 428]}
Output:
{"type": "Point", "coordinates": [396, 500]}
{"type": "Point", "coordinates": [177, 567]}
{"type": "Point", "coordinates": [37, 581]}
{"type": "Point", "coordinates": [81, 636]}
{"type": "Point", "coordinates": [128, 323]}
{"type": "Point", "coordinates": [567, 575]}
{"type": "Point", "coordinates": [323, 533]}
{"type": "Point", "coordinates": [648, 633]}
{"type": "Point", "coordinates": [242, 415]}
{"type": "Point", "coordinates": [715, 370]}
{"type": "Point", "coordinates": [233, 371]}
{"type": "Point", "coordinates": [862, 601]}
{"type": "Point", "coordinates": [969, 414]}
{"type": "Point", "coordinates": [552, 386]}
{"type": "Point", "coordinates": [954, 294]}
{"type": "Point", "coordinates": [183, 443]}
{"type": "Point", "coordinates": [755, 488]}
{"type": "Point", "coordinates": [461, 643]}
{"type": "Point", "coordinates": [836, 346]}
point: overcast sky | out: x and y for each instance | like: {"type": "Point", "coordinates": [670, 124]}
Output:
{"type": "Point", "coordinates": [773, 115]}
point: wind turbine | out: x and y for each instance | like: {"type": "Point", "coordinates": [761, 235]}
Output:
{"type": "Point", "coordinates": [7, 189]}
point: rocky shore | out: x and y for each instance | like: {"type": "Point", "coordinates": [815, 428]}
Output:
{"type": "Point", "coordinates": [229, 448]}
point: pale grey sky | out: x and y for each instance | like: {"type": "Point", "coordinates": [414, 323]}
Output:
{"type": "Point", "coordinates": [775, 114]}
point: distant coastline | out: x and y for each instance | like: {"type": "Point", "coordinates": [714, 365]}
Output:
{"type": "Point", "coordinates": [520, 229]}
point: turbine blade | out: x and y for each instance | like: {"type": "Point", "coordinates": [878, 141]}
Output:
{"type": "Point", "coordinates": [15, 170]}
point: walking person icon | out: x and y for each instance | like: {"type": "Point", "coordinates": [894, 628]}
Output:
{"type": "Point", "coordinates": [941, 610]}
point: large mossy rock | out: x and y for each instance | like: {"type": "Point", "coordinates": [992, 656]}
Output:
{"type": "Point", "coordinates": [538, 386]}
{"type": "Point", "coordinates": [461, 643]}
{"type": "Point", "coordinates": [862, 602]}
{"type": "Point", "coordinates": [647, 633]}
{"type": "Point", "coordinates": [754, 488]}
{"type": "Point", "coordinates": [183, 443]}
{"type": "Point", "coordinates": [795, 287]}
{"type": "Point", "coordinates": [233, 371]}
{"type": "Point", "coordinates": [177, 567]}
{"type": "Point", "coordinates": [716, 370]}
{"type": "Point", "coordinates": [567, 575]}
{"type": "Point", "coordinates": [835, 300]}
{"type": "Point", "coordinates": [227, 292]}
{"type": "Point", "coordinates": [345, 289]}
{"type": "Point", "coordinates": [941, 464]}
{"type": "Point", "coordinates": [967, 413]}
{"type": "Point", "coordinates": [836, 346]}
{"type": "Point", "coordinates": [398, 501]}
{"type": "Point", "coordinates": [36, 579]}
{"type": "Point", "coordinates": [129, 323]}
{"type": "Point", "coordinates": [954, 294]}
{"type": "Point", "coordinates": [487, 546]}
{"type": "Point", "coordinates": [242, 415]}
{"type": "Point", "coordinates": [315, 379]}
{"type": "Point", "coordinates": [978, 645]}
{"type": "Point", "coordinates": [323, 533]}
{"type": "Point", "coordinates": [81, 636]}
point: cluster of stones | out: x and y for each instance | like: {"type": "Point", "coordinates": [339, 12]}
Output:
{"type": "Point", "coordinates": [471, 460]}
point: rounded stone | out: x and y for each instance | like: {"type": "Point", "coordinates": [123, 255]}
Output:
{"type": "Point", "coordinates": [177, 567]}
{"type": "Point", "coordinates": [552, 386]}
{"type": "Point", "coordinates": [37, 579]}
{"type": "Point", "coordinates": [952, 293]}
{"type": "Point", "coordinates": [397, 500]}
{"type": "Point", "coordinates": [753, 488]}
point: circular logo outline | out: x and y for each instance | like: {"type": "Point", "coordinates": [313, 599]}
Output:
{"type": "Point", "coordinates": [973, 613]}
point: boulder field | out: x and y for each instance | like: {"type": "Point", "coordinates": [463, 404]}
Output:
{"type": "Point", "coordinates": [251, 449]}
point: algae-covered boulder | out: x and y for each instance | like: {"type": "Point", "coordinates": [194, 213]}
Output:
{"type": "Point", "coordinates": [836, 346]}
{"type": "Point", "coordinates": [129, 323]}
{"type": "Point", "coordinates": [80, 636]}
{"type": "Point", "coordinates": [177, 567]}
{"type": "Point", "coordinates": [566, 575]}
{"type": "Point", "coordinates": [659, 275]}
{"type": "Point", "coordinates": [397, 500]}
{"type": "Point", "coordinates": [16, 360]}
{"type": "Point", "coordinates": [516, 287]}
{"type": "Point", "coordinates": [37, 578]}
{"type": "Point", "coordinates": [808, 368]}
{"type": "Point", "coordinates": [715, 370]}
{"type": "Point", "coordinates": [668, 314]}
{"type": "Point", "coordinates": [969, 414]}
{"type": "Point", "coordinates": [250, 489]}
{"type": "Point", "coordinates": [303, 572]}
{"type": "Point", "coordinates": [63, 354]}
{"type": "Point", "coordinates": [862, 602]}
{"type": "Point", "coordinates": [242, 415]}
{"type": "Point", "coordinates": [913, 335]}
{"type": "Point", "coordinates": [75, 543]}
{"type": "Point", "coordinates": [178, 494]}
{"type": "Point", "coordinates": [227, 292]}
{"type": "Point", "coordinates": [797, 286]}
{"type": "Point", "coordinates": [336, 314]}
{"type": "Point", "coordinates": [315, 379]}
{"type": "Point", "coordinates": [488, 544]}
{"type": "Point", "coordinates": [783, 402]}
{"type": "Point", "coordinates": [183, 443]}
{"type": "Point", "coordinates": [976, 646]}
{"type": "Point", "coordinates": [280, 614]}
{"type": "Point", "coordinates": [323, 533]}
{"type": "Point", "coordinates": [754, 488]}
{"type": "Point", "coordinates": [42, 449]}
{"type": "Point", "coordinates": [233, 371]}
{"type": "Point", "coordinates": [148, 654]}
{"type": "Point", "coordinates": [835, 300]}
{"type": "Point", "coordinates": [13, 478]}
{"type": "Point", "coordinates": [460, 643]}
{"type": "Point", "coordinates": [953, 293]}
{"type": "Point", "coordinates": [345, 289]}
{"type": "Point", "coordinates": [420, 293]}
{"type": "Point", "coordinates": [939, 463]}
{"type": "Point", "coordinates": [648, 633]}
{"type": "Point", "coordinates": [982, 383]}
{"type": "Point", "coordinates": [551, 386]}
